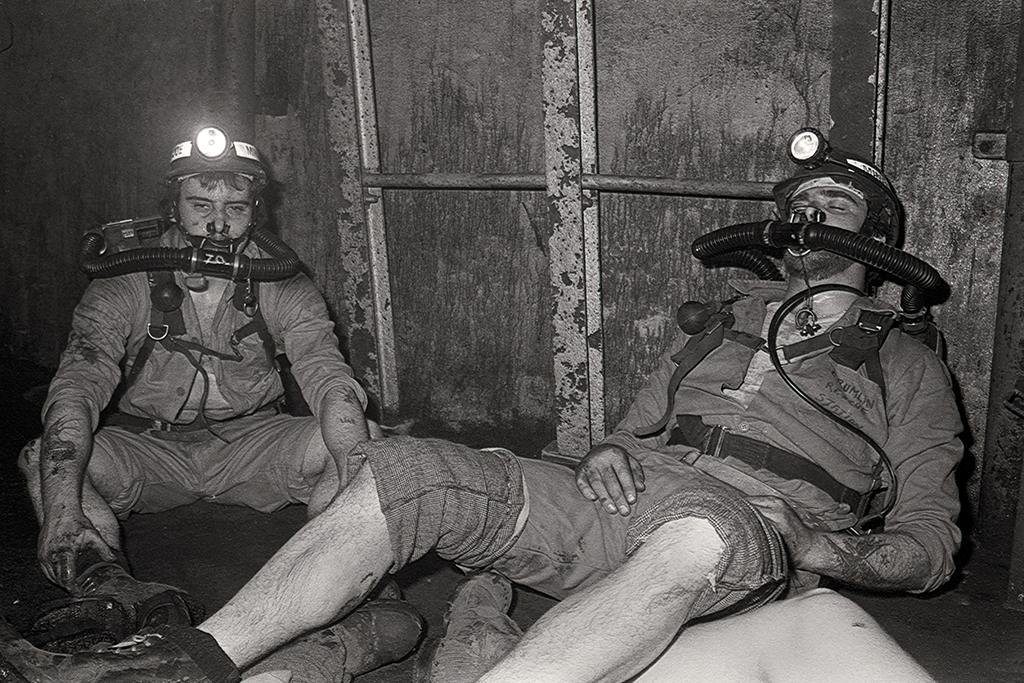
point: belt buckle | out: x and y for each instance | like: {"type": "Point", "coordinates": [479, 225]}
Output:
{"type": "Point", "coordinates": [713, 440]}
{"type": "Point", "coordinates": [161, 426]}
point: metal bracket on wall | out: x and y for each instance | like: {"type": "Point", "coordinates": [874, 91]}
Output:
{"type": "Point", "coordinates": [860, 74]}
{"type": "Point", "coordinates": [988, 145]}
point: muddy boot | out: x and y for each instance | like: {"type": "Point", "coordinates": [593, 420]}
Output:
{"type": "Point", "coordinates": [150, 603]}
{"type": "Point", "coordinates": [108, 604]}
{"type": "Point", "coordinates": [167, 655]}
{"type": "Point", "coordinates": [478, 633]}
{"type": "Point", "coordinates": [378, 633]}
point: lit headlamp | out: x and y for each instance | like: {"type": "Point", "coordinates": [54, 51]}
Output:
{"type": "Point", "coordinates": [808, 148]}
{"type": "Point", "coordinates": [213, 144]}
{"type": "Point", "coordinates": [212, 150]}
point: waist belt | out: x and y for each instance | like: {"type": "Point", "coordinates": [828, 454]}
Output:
{"type": "Point", "coordinates": [719, 442]}
{"type": "Point", "coordinates": [137, 425]}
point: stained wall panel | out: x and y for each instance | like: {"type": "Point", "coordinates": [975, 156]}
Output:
{"type": "Point", "coordinates": [700, 91]}
{"type": "Point", "coordinates": [458, 90]}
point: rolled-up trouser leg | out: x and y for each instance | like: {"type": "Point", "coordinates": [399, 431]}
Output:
{"type": "Point", "coordinates": [570, 542]}
{"type": "Point", "coordinates": [443, 496]}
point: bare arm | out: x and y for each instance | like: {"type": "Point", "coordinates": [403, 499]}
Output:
{"type": "Point", "coordinates": [65, 530]}
{"type": "Point", "coordinates": [84, 382]}
{"type": "Point", "coordinates": [343, 425]}
{"type": "Point", "coordinates": [885, 561]}
{"type": "Point", "coordinates": [888, 561]}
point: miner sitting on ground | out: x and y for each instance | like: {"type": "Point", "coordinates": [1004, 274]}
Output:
{"type": "Point", "coordinates": [199, 412]}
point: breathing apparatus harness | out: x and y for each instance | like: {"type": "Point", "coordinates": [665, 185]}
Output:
{"type": "Point", "coordinates": [132, 245]}
{"type": "Point", "coordinates": [856, 346]}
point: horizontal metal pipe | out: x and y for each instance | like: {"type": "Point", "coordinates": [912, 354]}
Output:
{"type": "Point", "coordinates": [456, 181]}
{"type": "Point", "coordinates": [727, 189]}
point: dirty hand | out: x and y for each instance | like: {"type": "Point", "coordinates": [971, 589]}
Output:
{"type": "Point", "coordinates": [610, 474]}
{"type": "Point", "coordinates": [61, 539]}
{"type": "Point", "coordinates": [799, 537]}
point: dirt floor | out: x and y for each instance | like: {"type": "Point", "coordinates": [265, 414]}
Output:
{"type": "Point", "coordinates": [964, 633]}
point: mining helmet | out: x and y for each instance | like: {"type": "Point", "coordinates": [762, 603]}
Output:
{"type": "Point", "coordinates": [211, 150]}
{"type": "Point", "coordinates": [809, 149]}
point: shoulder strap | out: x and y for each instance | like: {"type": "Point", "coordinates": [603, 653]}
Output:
{"type": "Point", "coordinates": [246, 299]}
{"type": "Point", "coordinates": [858, 345]}
{"type": "Point", "coordinates": [163, 323]}
{"type": "Point", "coordinates": [717, 328]}
{"type": "Point", "coordinates": [852, 346]}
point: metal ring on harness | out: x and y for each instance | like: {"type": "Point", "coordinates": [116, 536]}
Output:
{"type": "Point", "coordinates": [163, 336]}
{"type": "Point", "coordinates": [832, 340]}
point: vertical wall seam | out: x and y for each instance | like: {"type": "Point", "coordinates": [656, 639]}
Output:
{"type": "Point", "coordinates": [362, 61]}
{"type": "Point", "coordinates": [881, 83]}
{"type": "Point", "coordinates": [585, 56]}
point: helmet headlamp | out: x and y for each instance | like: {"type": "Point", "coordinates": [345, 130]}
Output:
{"type": "Point", "coordinates": [808, 147]}
{"type": "Point", "coordinates": [212, 150]}
{"type": "Point", "coordinates": [211, 142]}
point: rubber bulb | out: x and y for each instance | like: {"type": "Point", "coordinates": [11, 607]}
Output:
{"type": "Point", "coordinates": [693, 316]}
{"type": "Point", "coordinates": [167, 297]}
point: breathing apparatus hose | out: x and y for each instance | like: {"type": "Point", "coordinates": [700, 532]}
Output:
{"type": "Point", "coordinates": [773, 352]}
{"type": "Point", "coordinates": [283, 261]}
{"type": "Point", "coordinates": [748, 259]}
{"type": "Point", "coordinates": [918, 277]}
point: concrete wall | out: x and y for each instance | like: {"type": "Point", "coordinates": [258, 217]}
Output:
{"type": "Point", "coordinates": [91, 101]}
{"type": "Point", "coordinates": [95, 96]}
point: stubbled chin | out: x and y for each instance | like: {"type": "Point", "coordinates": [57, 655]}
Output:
{"type": "Point", "coordinates": [817, 265]}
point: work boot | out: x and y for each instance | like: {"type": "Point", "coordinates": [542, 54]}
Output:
{"type": "Point", "coordinates": [108, 605]}
{"type": "Point", "coordinates": [153, 604]}
{"type": "Point", "coordinates": [168, 655]}
{"type": "Point", "coordinates": [478, 632]}
{"type": "Point", "coordinates": [378, 633]}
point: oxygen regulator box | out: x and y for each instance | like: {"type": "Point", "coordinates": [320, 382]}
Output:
{"type": "Point", "coordinates": [132, 233]}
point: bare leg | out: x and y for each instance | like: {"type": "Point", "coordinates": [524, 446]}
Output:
{"type": "Point", "coordinates": [322, 572]}
{"type": "Point", "coordinates": [93, 504]}
{"type": "Point", "coordinates": [816, 636]}
{"type": "Point", "coordinates": [629, 617]}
